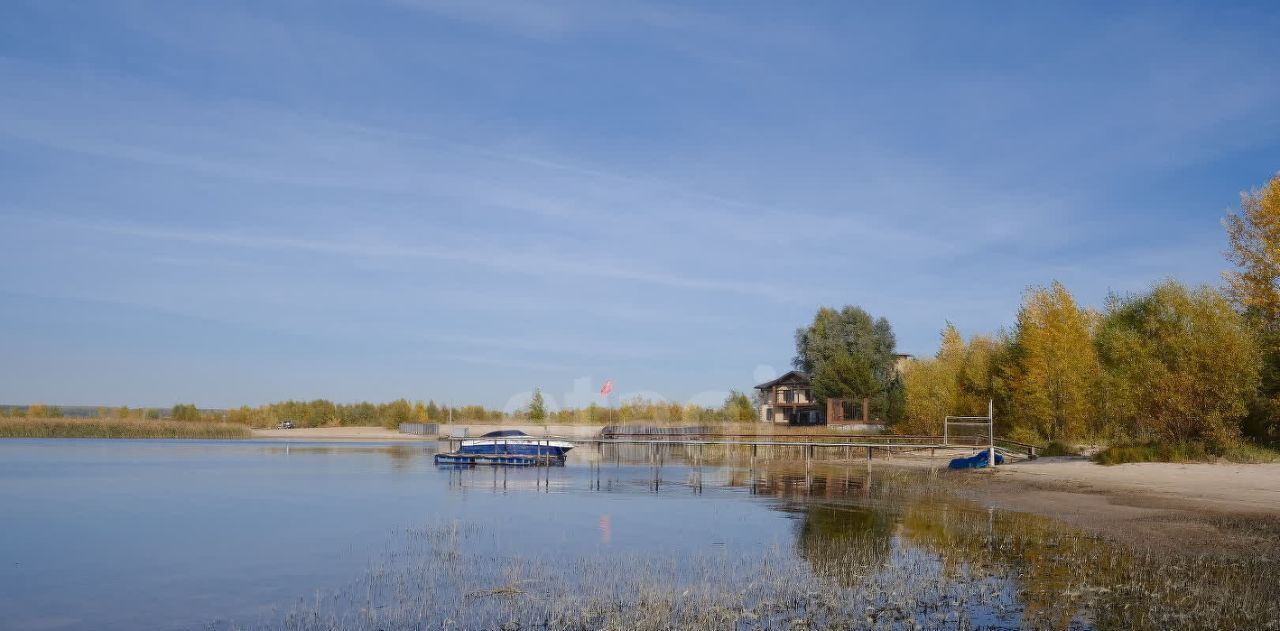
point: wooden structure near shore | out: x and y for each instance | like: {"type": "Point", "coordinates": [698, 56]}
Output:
{"type": "Point", "coordinates": [789, 400]}
{"type": "Point", "coordinates": [870, 442]}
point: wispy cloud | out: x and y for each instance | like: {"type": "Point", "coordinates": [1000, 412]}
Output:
{"type": "Point", "coordinates": [505, 260]}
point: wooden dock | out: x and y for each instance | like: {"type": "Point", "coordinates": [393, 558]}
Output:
{"type": "Point", "coordinates": [871, 443]}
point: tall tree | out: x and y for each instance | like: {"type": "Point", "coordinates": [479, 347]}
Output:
{"type": "Point", "coordinates": [1056, 365]}
{"type": "Point", "coordinates": [1254, 287]}
{"type": "Point", "coordinates": [1180, 363]}
{"type": "Point", "coordinates": [537, 406]}
{"type": "Point", "coordinates": [1255, 248]}
{"type": "Point", "coordinates": [852, 331]}
{"type": "Point", "coordinates": [959, 380]}
{"type": "Point", "coordinates": [930, 386]}
{"type": "Point", "coordinates": [843, 376]}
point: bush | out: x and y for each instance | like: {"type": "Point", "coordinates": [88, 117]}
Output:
{"type": "Point", "coordinates": [1243, 453]}
{"type": "Point", "coordinates": [1153, 452]}
{"type": "Point", "coordinates": [1058, 448]}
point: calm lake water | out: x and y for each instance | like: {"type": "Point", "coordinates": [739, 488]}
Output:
{"type": "Point", "coordinates": [109, 534]}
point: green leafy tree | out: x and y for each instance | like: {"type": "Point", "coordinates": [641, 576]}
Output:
{"type": "Point", "coordinates": [185, 412]}
{"type": "Point", "coordinates": [852, 331]}
{"type": "Point", "coordinates": [843, 376]}
{"type": "Point", "coordinates": [537, 406]}
{"type": "Point", "coordinates": [1181, 365]}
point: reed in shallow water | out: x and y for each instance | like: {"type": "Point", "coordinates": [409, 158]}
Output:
{"type": "Point", "coordinates": [931, 567]}
{"type": "Point", "coordinates": [116, 428]}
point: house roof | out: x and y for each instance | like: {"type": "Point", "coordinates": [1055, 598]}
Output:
{"type": "Point", "coordinates": [793, 375]}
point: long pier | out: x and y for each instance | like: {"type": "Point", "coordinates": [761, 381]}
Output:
{"type": "Point", "coordinates": [870, 442]}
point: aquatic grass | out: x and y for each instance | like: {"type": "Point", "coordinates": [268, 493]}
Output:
{"type": "Point", "coordinates": [764, 589]}
{"type": "Point", "coordinates": [945, 567]}
{"type": "Point", "coordinates": [894, 549]}
{"type": "Point", "coordinates": [117, 428]}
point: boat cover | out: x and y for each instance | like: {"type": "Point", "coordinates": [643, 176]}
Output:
{"type": "Point", "coordinates": [976, 461]}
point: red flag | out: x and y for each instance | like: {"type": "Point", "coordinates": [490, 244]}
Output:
{"type": "Point", "coordinates": [608, 387]}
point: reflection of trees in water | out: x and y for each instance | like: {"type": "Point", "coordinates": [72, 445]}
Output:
{"type": "Point", "coordinates": [795, 480]}
{"type": "Point", "coordinates": [1060, 572]}
{"type": "Point", "coordinates": [715, 455]}
{"type": "Point", "coordinates": [844, 543]}
{"type": "Point", "coordinates": [1040, 555]}
{"type": "Point", "coordinates": [1060, 576]}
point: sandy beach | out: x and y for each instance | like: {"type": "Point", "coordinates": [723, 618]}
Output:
{"type": "Point", "coordinates": [1223, 487]}
{"type": "Point", "coordinates": [391, 435]}
{"type": "Point", "coordinates": [1168, 506]}
{"type": "Point", "coordinates": [338, 434]}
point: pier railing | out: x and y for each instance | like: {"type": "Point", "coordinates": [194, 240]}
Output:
{"type": "Point", "coordinates": [811, 443]}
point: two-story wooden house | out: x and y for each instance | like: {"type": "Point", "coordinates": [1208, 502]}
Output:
{"type": "Point", "coordinates": [788, 400]}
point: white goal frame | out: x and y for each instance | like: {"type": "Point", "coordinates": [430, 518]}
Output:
{"type": "Point", "coordinates": [987, 421]}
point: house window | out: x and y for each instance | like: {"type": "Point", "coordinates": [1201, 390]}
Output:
{"type": "Point", "coordinates": [789, 396]}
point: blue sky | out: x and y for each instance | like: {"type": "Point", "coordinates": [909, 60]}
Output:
{"type": "Point", "coordinates": [239, 202]}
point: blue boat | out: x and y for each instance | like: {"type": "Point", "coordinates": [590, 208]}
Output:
{"type": "Point", "coordinates": [515, 442]}
{"type": "Point", "coordinates": [513, 460]}
{"type": "Point", "coordinates": [976, 461]}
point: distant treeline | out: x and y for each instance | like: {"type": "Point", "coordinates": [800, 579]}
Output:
{"type": "Point", "coordinates": [737, 407]}
{"type": "Point", "coordinates": [325, 413]}
{"type": "Point", "coordinates": [41, 410]}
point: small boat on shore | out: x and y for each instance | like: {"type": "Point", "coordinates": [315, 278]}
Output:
{"type": "Point", "coordinates": [515, 442]}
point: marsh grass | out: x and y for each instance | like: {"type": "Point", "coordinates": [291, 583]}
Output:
{"type": "Point", "coordinates": [929, 567]}
{"type": "Point", "coordinates": [115, 428]}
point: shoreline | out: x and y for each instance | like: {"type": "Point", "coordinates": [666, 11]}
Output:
{"type": "Point", "coordinates": [1177, 507]}
{"type": "Point", "coordinates": [338, 434]}
{"type": "Point", "coordinates": [1149, 504]}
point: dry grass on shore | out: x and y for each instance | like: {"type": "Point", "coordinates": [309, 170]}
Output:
{"type": "Point", "coordinates": [114, 428]}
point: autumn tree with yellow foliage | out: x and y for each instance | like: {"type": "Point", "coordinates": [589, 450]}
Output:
{"type": "Point", "coordinates": [1254, 287]}
{"type": "Point", "coordinates": [1255, 248]}
{"type": "Point", "coordinates": [1181, 366]}
{"type": "Point", "coordinates": [1055, 367]}
{"type": "Point", "coordinates": [960, 380]}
